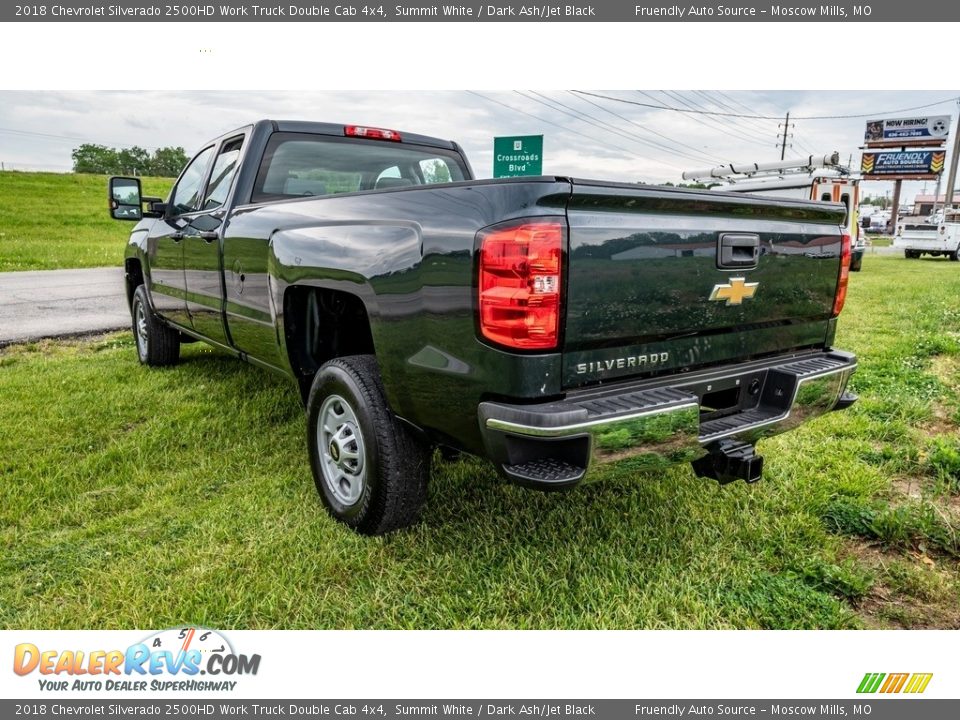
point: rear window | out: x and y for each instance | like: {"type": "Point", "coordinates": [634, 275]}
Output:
{"type": "Point", "coordinates": [304, 165]}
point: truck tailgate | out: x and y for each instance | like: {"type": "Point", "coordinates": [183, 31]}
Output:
{"type": "Point", "coordinates": [661, 280]}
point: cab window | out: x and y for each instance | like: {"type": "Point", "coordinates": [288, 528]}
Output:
{"type": "Point", "coordinates": [301, 164]}
{"type": "Point", "coordinates": [187, 194]}
{"type": "Point", "coordinates": [224, 168]}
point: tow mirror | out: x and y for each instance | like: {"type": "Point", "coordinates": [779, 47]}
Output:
{"type": "Point", "coordinates": [126, 202]}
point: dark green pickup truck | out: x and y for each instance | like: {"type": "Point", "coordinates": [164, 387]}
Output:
{"type": "Point", "coordinates": [546, 323]}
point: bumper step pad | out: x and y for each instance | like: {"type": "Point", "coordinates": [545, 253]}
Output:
{"type": "Point", "coordinates": [545, 472]}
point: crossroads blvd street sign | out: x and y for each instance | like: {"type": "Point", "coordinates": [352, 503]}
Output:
{"type": "Point", "coordinates": [517, 156]}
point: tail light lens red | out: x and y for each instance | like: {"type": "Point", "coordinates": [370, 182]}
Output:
{"type": "Point", "coordinates": [520, 284]}
{"type": "Point", "coordinates": [841, 297]}
{"type": "Point", "coordinates": [371, 133]}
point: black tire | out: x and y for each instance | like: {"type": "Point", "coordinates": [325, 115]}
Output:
{"type": "Point", "coordinates": [954, 256]}
{"type": "Point", "coordinates": [157, 344]}
{"type": "Point", "coordinates": [909, 255]}
{"type": "Point", "coordinates": [385, 487]}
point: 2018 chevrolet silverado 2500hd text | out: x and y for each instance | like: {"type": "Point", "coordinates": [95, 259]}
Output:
{"type": "Point", "coordinates": [546, 323]}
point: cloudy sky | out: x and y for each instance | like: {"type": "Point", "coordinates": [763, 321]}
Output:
{"type": "Point", "coordinates": [583, 136]}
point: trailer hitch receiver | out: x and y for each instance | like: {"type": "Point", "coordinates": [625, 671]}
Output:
{"type": "Point", "coordinates": [729, 460]}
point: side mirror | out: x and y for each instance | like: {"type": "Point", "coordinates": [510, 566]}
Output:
{"type": "Point", "coordinates": [126, 202]}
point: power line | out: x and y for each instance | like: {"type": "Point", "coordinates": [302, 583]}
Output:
{"type": "Point", "coordinates": [713, 125]}
{"type": "Point", "coordinates": [733, 101]}
{"type": "Point", "coordinates": [755, 125]}
{"type": "Point", "coordinates": [644, 127]}
{"type": "Point", "coordinates": [609, 127]}
{"type": "Point", "coordinates": [802, 145]}
{"type": "Point", "coordinates": [549, 122]}
{"type": "Point", "coordinates": [726, 124]}
{"type": "Point", "coordinates": [799, 143]}
{"type": "Point", "coordinates": [767, 117]}
{"type": "Point", "coordinates": [709, 122]}
{"type": "Point", "coordinates": [72, 138]}
{"type": "Point", "coordinates": [797, 140]}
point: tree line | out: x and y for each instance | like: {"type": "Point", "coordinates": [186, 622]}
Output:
{"type": "Point", "coordinates": [103, 160]}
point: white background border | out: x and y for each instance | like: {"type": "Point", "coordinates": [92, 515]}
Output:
{"type": "Point", "coordinates": [251, 56]}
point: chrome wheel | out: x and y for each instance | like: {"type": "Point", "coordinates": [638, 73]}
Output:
{"type": "Point", "coordinates": [340, 442]}
{"type": "Point", "coordinates": [140, 326]}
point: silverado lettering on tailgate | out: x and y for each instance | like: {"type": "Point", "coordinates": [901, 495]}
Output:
{"type": "Point", "coordinates": [630, 361]}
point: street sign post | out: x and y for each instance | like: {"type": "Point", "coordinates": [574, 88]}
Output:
{"type": "Point", "coordinates": [517, 156]}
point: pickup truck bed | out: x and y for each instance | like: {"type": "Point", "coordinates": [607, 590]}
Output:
{"type": "Point", "coordinates": [546, 323]}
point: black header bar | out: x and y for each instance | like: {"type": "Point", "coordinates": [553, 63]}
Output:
{"type": "Point", "coordinates": [641, 11]}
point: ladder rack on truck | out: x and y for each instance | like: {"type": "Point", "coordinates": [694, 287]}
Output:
{"type": "Point", "coordinates": [814, 177]}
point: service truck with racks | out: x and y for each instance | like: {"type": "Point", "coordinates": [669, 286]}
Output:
{"type": "Point", "coordinates": [936, 236]}
{"type": "Point", "coordinates": [815, 177]}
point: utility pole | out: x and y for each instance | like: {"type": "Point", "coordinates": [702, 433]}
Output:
{"type": "Point", "coordinates": [784, 136]}
{"type": "Point", "coordinates": [895, 210]}
{"type": "Point", "coordinates": [952, 176]}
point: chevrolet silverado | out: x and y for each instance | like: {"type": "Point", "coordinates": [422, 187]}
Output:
{"type": "Point", "coordinates": [546, 323]}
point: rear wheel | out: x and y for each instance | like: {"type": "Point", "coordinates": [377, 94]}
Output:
{"type": "Point", "coordinates": [157, 344]}
{"type": "Point", "coordinates": [955, 255]}
{"type": "Point", "coordinates": [369, 470]}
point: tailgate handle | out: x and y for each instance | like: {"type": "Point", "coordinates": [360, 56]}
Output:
{"type": "Point", "coordinates": [738, 250]}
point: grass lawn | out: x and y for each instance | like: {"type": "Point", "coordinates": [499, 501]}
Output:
{"type": "Point", "coordinates": [50, 221]}
{"type": "Point", "coordinates": [147, 498]}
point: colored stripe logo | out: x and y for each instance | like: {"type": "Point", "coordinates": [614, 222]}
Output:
{"type": "Point", "coordinates": [936, 162]}
{"type": "Point", "coordinates": [894, 683]}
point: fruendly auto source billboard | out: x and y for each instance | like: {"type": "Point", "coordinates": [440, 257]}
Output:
{"type": "Point", "coordinates": [927, 130]}
{"type": "Point", "coordinates": [903, 165]}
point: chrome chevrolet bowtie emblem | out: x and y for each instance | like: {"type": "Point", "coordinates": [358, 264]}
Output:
{"type": "Point", "coordinates": [735, 291]}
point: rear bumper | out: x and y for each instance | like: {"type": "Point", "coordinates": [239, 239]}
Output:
{"type": "Point", "coordinates": [653, 424]}
{"type": "Point", "coordinates": [929, 243]}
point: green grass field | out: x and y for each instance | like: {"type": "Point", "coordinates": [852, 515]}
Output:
{"type": "Point", "coordinates": [50, 221]}
{"type": "Point", "coordinates": [148, 498]}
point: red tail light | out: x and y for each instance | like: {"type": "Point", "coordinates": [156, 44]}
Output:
{"type": "Point", "coordinates": [519, 284]}
{"type": "Point", "coordinates": [841, 296]}
{"type": "Point", "coordinates": [371, 133]}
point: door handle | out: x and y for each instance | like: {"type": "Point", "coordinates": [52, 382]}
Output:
{"type": "Point", "coordinates": [209, 235]}
{"type": "Point", "coordinates": [738, 250]}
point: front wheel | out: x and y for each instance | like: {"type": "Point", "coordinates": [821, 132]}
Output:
{"type": "Point", "coordinates": [157, 344]}
{"type": "Point", "coordinates": [369, 470]}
